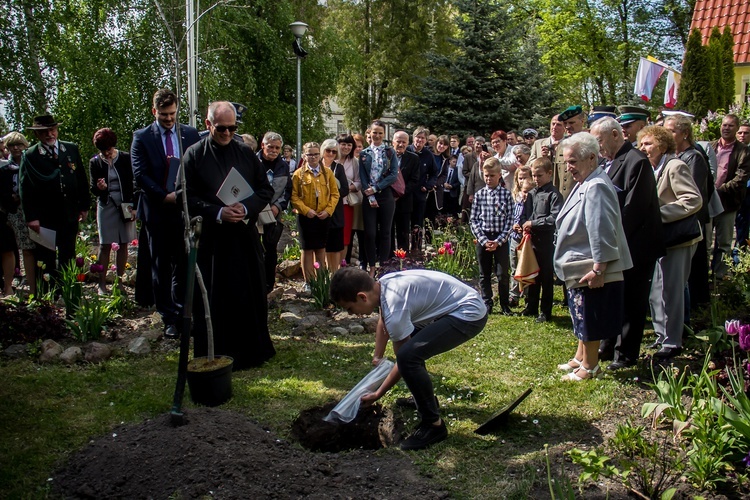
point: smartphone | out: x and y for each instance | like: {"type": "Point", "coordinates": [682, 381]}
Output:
{"type": "Point", "coordinates": [484, 148]}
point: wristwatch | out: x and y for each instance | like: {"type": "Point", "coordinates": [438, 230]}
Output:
{"type": "Point", "coordinates": [598, 272]}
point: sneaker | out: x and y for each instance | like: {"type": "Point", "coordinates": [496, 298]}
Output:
{"type": "Point", "coordinates": [426, 435]}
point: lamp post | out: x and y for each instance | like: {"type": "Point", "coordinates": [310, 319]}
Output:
{"type": "Point", "coordinates": [299, 29]}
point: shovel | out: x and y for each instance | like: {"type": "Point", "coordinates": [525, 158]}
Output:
{"type": "Point", "coordinates": [501, 418]}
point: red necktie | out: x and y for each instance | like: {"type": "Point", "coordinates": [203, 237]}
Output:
{"type": "Point", "coordinates": [170, 148]}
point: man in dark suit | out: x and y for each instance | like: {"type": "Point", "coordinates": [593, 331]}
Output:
{"type": "Point", "coordinates": [54, 191]}
{"type": "Point", "coordinates": [732, 172]}
{"type": "Point", "coordinates": [409, 166]}
{"type": "Point", "coordinates": [156, 152]}
{"type": "Point", "coordinates": [633, 175]}
{"type": "Point", "coordinates": [451, 189]}
{"type": "Point", "coordinates": [428, 173]}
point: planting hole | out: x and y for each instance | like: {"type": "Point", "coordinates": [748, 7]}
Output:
{"type": "Point", "coordinates": [372, 429]}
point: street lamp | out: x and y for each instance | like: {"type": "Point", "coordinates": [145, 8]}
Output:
{"type": "Point", "coordinates": [299, 29]}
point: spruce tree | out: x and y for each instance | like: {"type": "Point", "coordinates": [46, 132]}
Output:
{"type": "Point", "coordinates": [728, 62]}
{"type": "Point", "coordinates": [493, 80]}
{"type": "Point", "coordinates": [693, 95]}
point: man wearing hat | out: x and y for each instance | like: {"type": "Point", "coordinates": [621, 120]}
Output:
{"type": "Point", "coordinates": [529, 136]}
{"type": "Point", "coordinates": [54, 191]}
{"type": "Point", "coordinates": [573, 119]}
{"type": "Point", "coordinates": [599, 112]}
{"type": "Point", "coordinates": [632, 119]}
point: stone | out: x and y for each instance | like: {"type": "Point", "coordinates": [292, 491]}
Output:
{"type": "Point", "coordinates": [275, 294]}
{"type": "Point", "coordinates": [370, 324]}
{"type": "Point", "coordinates": [51, 350]}
{"type": "Point", "coordinates": [16, 351]}
{"type": "Point", "coordinates": [152, 334]}
{"type": "Point", "coordinates": [337, 330]}
{"type": "Point", "coordinates": [290, 268]}
{"type": "Point", "coordinates": [97, 352]}
{"type": "Point", "coordinates": [139, 345]}
{"type": "Point", "coordinates": [356, 328]}
{"type": "Point", "coordinates": [71, 355]}
{"type": "Point", "coordinates": [290, 317]}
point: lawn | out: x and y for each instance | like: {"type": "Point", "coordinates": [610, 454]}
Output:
{"type": "Point", "coordinates": [49, 411]}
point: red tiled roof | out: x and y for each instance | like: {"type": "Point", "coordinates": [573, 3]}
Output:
{"type": "Point", "coordinates": [721, 13]}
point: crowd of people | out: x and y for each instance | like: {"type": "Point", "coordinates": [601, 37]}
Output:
{"type": "Point", "coordinates": [626, 214]}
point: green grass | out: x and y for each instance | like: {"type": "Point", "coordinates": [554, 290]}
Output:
{"type": "Point", "coordinates": [48, 412]}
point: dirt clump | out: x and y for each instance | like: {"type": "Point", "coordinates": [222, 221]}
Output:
{"type": "Point", "coordinates": [222, 454]}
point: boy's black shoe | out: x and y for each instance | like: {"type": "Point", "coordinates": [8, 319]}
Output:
{"type": "Point", "coordinates": [425, 435]}
{"type": "Point", "coordinates": [619, 365]}
{"type": "Point", "coordinates": [527, 312]}
{"type": "Point", "coordinates": [507, 312]}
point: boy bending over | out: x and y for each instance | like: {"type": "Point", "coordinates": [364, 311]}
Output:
{"type": "Point", "coordinates": [424, 313]}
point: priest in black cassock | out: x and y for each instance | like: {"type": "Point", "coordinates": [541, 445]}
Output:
{"type": "Point", "coordinates": [230, 255]}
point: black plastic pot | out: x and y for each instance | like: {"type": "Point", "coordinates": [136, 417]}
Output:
{"type": "Point", "coordinates": [213, 387]}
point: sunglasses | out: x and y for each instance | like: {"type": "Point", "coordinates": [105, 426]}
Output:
{"type": "Point", "coordinates": [223, 128]}
{"type": "Point", "coordinates": [332, 151]}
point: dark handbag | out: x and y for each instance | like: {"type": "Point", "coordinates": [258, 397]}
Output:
{"type": "Point", "coordinates": [398, 186]}
{"type": "Point", "coordinates": [681, 231]}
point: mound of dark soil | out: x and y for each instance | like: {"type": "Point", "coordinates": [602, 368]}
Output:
{"type": "Point", "coordinates": [23, 323]}
{"type": "Point", "coordinates": [222, 454]}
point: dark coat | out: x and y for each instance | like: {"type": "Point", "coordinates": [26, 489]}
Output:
{"type": "Point", "coordinates": [409, 166]}
{"type": "Point", "coordinates": [732, 192]}
{"type": "Point", "coordinates": [150, 168]}
{"type": "Point", "coordinates": [53, 191]}
{"type": "Point", "coordinates": [428, 172]}
{"type": "Point", "coordinates": [633, 175]}
{"type": "Point", "coordinates": [124, 169]}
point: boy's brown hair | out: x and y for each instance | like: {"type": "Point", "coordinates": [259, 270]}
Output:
{"type": "Point", "coordinates": [542, 162]}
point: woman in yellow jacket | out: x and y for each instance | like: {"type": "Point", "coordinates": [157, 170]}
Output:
{"type": "Point", "coordinates": [314, 196]}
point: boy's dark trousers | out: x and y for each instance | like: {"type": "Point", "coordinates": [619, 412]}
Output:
{"type": "Point", "coordinates": [499, 263]}
{"type": "Point", "coordinates": [544, 249]}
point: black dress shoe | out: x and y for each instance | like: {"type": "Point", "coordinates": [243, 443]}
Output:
{"type": "Point", "coordinates": [542, 318]}
{"type": "Point", "coordinates": [170, 332]}
{"type": "Point", "coordinates": [619, 365]}
{"type": "Point", "coordinates": [668, 352]}
{"type": "Point", "coordinates": [654, 345]}
{"type": "Point", "coordinates": [606, 355]}
{"type": "Point", "coordinates": [527, 312]}
{"type": "Point", "coordinates": [506, 311]}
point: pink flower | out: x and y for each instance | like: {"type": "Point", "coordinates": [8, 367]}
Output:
{"type": "Point", "coordinates": [113, 268]}
{"type": "Point", "coordinates": [316, 265]}
{"type": "Point", "coordinates": [450, 251]}
{"type": "Point", "coordinates": [97, 268]}
{"type": "Point", "coordinates": [732, 326]}
{"type": "Point", "coordinates": [134, 243]}
{"type": "Point", "coordinates": [745, 337]}
{"type": "Point", "coordinates": [447, 244]}
{"type": "Point", "coordinates": [343, 262]}
{"type": "Point", "coordinates": [115, 246]}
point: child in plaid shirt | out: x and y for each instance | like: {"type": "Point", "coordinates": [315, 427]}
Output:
{"type": "Point", "coordinates": [491, 223]}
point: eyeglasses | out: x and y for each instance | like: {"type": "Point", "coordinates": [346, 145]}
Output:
{"type": "Point", "coordinates": [312, 155]}
{"type": "Point", "coordinates": [223, 128]}
{"type": "Point", "coordinates": [332, 151]}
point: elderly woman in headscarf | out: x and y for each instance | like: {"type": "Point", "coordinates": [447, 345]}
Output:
{"type": "Point", "coordinates": [679, 202]}
{"type": "Point", "coordinates": [591, 255]}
